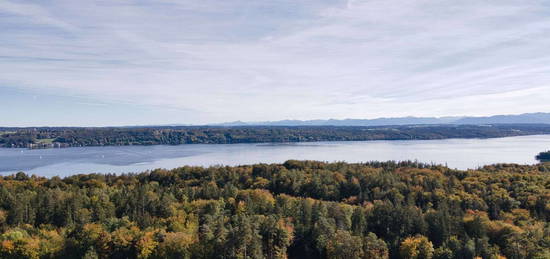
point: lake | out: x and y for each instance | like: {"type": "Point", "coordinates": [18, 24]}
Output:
{"type": "Point", "coordinates": [456, 153]}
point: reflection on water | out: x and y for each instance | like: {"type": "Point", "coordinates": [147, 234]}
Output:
{"type": "Point", "coordinates": [456, 153]}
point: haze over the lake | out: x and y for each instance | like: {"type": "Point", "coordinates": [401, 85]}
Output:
{"type": "Point", "coordinates": [96, 63]}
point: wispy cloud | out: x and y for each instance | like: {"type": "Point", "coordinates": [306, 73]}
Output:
{"type": "Point", "coordinates": [268, 60]}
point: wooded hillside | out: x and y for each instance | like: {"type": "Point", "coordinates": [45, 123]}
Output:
{"type": "Point", "coordinates": [76, 137]}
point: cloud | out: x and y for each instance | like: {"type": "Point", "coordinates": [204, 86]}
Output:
{"type": "Point", "coordinates": [33, 14]}
{"type": "Point", "coordinates": [269, 60]}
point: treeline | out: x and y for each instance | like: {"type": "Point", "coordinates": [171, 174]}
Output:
{"type": "Point", "coordinates": [299, 209]}
{"type": "Point", "coordinates": [71, 137]}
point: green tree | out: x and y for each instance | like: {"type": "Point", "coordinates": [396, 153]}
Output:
{"type": "Point", "coordinates": [543, 156]}
{"type": "Point", "coordinates": [373, 247]}
{"type": "Point", "coordinates": [344, 245]}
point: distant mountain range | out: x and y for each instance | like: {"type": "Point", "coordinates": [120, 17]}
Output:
{"type": "Point", "coordinates": [526, 118]}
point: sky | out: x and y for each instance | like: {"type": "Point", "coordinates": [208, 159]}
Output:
{"type": "Point", "coordinates": [137, 62]}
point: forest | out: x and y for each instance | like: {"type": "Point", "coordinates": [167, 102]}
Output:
{"type": "Point", "coordinates": [77, 137]}
{"type": "Point", "coordinates": [298, 209]}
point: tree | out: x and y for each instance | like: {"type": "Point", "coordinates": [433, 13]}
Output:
{"type": "Point", "coordinates": [244, 240]}
{"type": "Point", "coordinates": [17, 243]}
{"type": "Point", "coordinates": [373, 247]}
{"type": "Point", "coordinates": [358, 221]}
{"type": "Point", "coordinates": [91, 254]}
{"type": "Point", "coordinates": [417, 247]}
{"type": "Point", "coordinates": [277, 236]}
{"type": "Point", "coordinates": [543, 156]}
{"type": "Point", "coordinates": [174, 245]}
{"type": "Point", "coordinates": [344, 245]}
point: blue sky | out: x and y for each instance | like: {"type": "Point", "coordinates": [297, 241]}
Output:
{"type": "Point", "coordinates": [97, 63]}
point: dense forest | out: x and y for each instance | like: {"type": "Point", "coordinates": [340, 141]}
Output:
{"type": "Point", "coordinates": [299, 209]}
{"type": "Point", "coordinates": [73, 137]}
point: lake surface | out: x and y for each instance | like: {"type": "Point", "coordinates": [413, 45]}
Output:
{"type": "Point", "coordinates": [456, 153]}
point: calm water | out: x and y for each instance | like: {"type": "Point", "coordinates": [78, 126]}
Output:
{"type": "Point", "coordinates": [456, 153]}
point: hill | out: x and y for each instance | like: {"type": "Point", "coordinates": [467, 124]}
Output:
{"type": "Point", "coordinates": [526, 118]}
